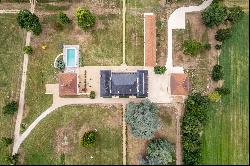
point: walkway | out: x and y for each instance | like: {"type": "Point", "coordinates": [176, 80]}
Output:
{"type": "Point", "coordinates": [9, 11]}
{"type": "Point", "coordinates": [124, 137]}
{"type": "Point", "coordinates": [23, 86]}
{"type": "Point", "coordinates": [177, 21]}
{"type": "Point", "coordinates": [124, 32]}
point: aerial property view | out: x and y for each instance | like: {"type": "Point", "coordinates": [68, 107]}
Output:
{"type": "Point", "coordinates": [124, 82]}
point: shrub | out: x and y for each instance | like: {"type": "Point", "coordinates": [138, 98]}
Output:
{"type": "Point", "coordinates": [29, 21]}
{"type": "Point", "coordinates": [85, 18]}
{"type": "Point", "coordinates": [192, 47]}
{"type": "Point", "coordinates": [194, 118]}
{"type": "Point", "coordinates": [214, 15]}
{"type": "Point", "coordinates": [218, 46]}
{"type": "Point", "coordinates": [12, 159]}
{"type": "Point", "coordinates": [217, 73]}
{"type": "Point", "coordinates": [214, 96]}
{"type": "Point", "coordinates": [235, 14]}
{"type": "Point", "coordinates": [223, 91]}
{"type": "Point", "coordinates": [7, 141]}
{"type": "Point", "coordinates": [142, 119]}
{"type": "Point", "coordinates": [89, 139]}
{"type": "Point", "coordinates": [159, 152]}
{"type": "Point", "coordinates": [28, 50]}
{"type": "Point", "coordinates": [60, 64]}
{"type": "Point", "coordinates": [63, 18]}
{"type": "Point", "coordinates": [223, 34]}
{"type": "Point", "coordinates": [207, 46]}
{"type": "Point", "coordinates": [160, 69]}
{"type": "Point", "coordinates": [10, 108]}
{"type": "Point", "coordinates": [92, 94]}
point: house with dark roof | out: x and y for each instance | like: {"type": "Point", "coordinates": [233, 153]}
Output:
{"type": "Point", "coordinates": [179, 84]}
{"type": "Point", "coordinates": [124, 84]}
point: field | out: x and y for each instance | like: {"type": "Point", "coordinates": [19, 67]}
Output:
{"type": "Point", "coordinates": [136, 147]}
{"type": "Point", "coordinates": [226, 137]}
{"type": "Point", "coordinates": [11, 56]}
{"type": "Point", "coordinates": [61, 132]}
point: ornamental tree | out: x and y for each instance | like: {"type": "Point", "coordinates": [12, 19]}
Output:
{"type": "Point", "coordinates": [214, 96]}
{"type": "Point", "coordinates": [223, 34]}
{"type": "Point", "coordinates": [160, 69]}
{"type": "Point", "coordinates": [7, 141]}
{"type": "Point", "coordinates": [223, 91]}
{"type": "Point", "coordinates": [192, 47]}
{"type": "Point", "coordinates": [63, 18]}
{"type": "Point", "coordinates": [159, 152]}
{"type": "Point", "coordinates": [10, 108]}
{"type": "Point", "coordinates": [142, 119]}
{"type": "Point", "coordinates": [217, 73]}
{"type": "Point", "coordinates": [85, 18]}
{"type": "Point", "coordinates": [214, 15]}
{"type": "Point", "coordinates": [89, 139]}
{"type": "Point", "coordinates": [60, 64]}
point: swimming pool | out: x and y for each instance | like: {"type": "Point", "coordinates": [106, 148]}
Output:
{"type": "Point", "coordinates": [71, 57]}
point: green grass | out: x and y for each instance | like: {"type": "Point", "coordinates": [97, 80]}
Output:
{"type": "Point", "coordinates": [40, 145]}
{"type": "Point", "coordinates": [134, 40]}
{"type": "Point", "coordinates": [105, 47]}
{"type": "Point", "coordinates": [49, 7]}
{"type": "Point", "coordinates": [11, 56]}
{"type": "Point", "coordinates": [227, 133]}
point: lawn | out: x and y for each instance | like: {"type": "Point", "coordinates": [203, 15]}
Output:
{"type": "Point", "coordinates": [12, 41]}
{"type": "Point", "coordinates": [61, 131]}
{"type": "Point", "coordinates": [226, 137]}
{"type": "Point", "coordinates": [136, 147]}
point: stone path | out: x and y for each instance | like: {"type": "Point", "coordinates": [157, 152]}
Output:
{"type": "Point", "coordinates": [23, 86]}
{"type": "Point", "coordinates": [9, 11]}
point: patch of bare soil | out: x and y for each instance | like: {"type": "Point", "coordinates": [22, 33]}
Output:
{"type": "Point", "coordinates": [14, 6]}
{"type": "Point", "coordinates": [114, 119]}
{"type": "Point", "coordinates": [64, 139]}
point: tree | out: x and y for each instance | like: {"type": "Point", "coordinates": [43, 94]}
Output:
{"type": "Point", "coordinates": [214, 15]}
{"type": "Point", "coordinates": [235, 14]}
{"type": "Point", "coordinates": [218, 46]}
{"type": "Point", "coordinates": [160, 69]}
{"type": "Point", "coordinates": [214, 96]}
{"type": "Point", "coordinates": [192, 47]}
{"type": "Point", "coordinates": [63, 18]}
{"type": "Point", "coordinates": [159, 152]}
{"type": "Point", "coordinates": [60, 64]}
{"type": "Point", "coordinates": [223, 34]}
{"type": "Point", "coordinates": [89, 139]}
{"type": "Point", "coordinates": [85, 18]}
{"type": "Point", "coordinates": [217, 73]}
{"type": "Point", "coordinates": [7, 141]}
{"type": "Point", "coordinates": [223, 91]}
{"type": "Point", "coordinates": [28, 50]}
{"type": "Point", "coordinates": [10, 108]}
{"type": "Point", "coordinates": [92, 94]}
{"type": "Point", "coordinates": [12, 159]}
{"type": "Point", "coordinates": [29, 21]}
{"type": "Point", "coordinates": [142, 119]}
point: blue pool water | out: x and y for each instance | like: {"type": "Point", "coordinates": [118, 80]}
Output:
{"type": "Point", "coordinates": [71, 56]}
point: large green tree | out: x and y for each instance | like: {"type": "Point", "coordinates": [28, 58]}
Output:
{"type": "Point", "coordinates": [159, 152]}
{"type": "Point", "coordinates": [214, 15]}
{"type": "Point", "coordinates": [142, 119]}
{"type": "Point", "coordinates": [85, 18]}
{"type": "Point", "coordinates": [10, 108]}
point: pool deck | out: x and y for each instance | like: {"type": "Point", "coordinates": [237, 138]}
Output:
{"type": "Point", "coordinates": [70, 68]}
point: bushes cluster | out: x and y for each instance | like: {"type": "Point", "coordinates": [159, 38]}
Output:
{"type": "Point", "coordinates": [217, 13]}
{"type": "Point", "coordinates": [214, 96]}
{"type": "Point", "coordinates": [223, 91]}
{"type": "Point", "coordinates": [28, 50]}
{"type": "Point", "coordinates": [194, 119]}
{"type": "Point", "coordinates": [217, 73]}
{"type": "Point", "coordinates": [223, 34]}
{"type": "Point", "coordinates": [142, 119]}
{"type": "Point", "coordinates": [10, 108]}
{"type": "Point", "coordinates": [60, 64]}
{"type": "Point", "coordinates": [192, 47]}
{"type": "Point", "coordinates": [7, 141]}
{"type": "Point", "coordinates": [85, 18]}
{"type": "Point", "coordinates": [160, 69]}
{"type": "Point", "coordinates": [12, 159]}
{"type": "Point", "coordinates": [92, 94]}
{"type": "Point", "coordinates": [159, 152]}
{"type": "Point", "coordinates": [89, 139]}
{"type": "Point", "coordinates": [63, 18]}
{"type": "Point", "coordinates": [29, 21]}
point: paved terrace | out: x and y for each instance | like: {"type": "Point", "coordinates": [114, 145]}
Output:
{"type": "Point", "coordinates": [158, 90]}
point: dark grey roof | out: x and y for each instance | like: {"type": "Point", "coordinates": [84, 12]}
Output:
{"type": "Point", "coordinates": [124, 84]}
